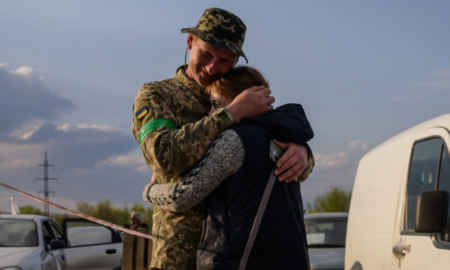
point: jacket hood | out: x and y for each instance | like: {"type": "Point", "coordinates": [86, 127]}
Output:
{"type": "Point", "coordinates": [287, 123]}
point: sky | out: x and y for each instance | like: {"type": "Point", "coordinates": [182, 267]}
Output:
{"type": "Point", "coordinates": [69, 72]}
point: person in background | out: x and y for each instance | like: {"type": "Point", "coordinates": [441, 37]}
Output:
{"type": "Point", "coordinates": [136, 221]}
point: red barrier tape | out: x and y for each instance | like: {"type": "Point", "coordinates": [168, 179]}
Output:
{"type": "Point", "coordinates": [96, 220]}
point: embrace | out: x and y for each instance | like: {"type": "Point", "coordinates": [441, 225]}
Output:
{"type": "Point", "coordinates": [206, 134]}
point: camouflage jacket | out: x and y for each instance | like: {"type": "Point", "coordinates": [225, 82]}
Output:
{"type": "Point", "coordinates": [171, 124]}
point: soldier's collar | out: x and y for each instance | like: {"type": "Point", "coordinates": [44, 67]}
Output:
{"type": "Point", "coordinates": [190, 84]}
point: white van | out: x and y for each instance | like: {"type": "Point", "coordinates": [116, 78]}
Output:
{"type": "Point", "coordinates": [384, 220]}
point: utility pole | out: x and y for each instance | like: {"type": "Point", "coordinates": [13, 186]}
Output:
{"type": "Point", "coordinates": [46, 178]}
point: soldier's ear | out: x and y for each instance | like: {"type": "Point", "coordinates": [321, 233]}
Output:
{"type": "Point", "coordinates": [190, 40]}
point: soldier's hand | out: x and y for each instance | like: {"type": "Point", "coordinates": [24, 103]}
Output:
{"type": "Point", "coordinates": [153, 179]}
{"type": "Point", "coordinates": [292, 163]}
{"type": "Point", "coordinates": [252, 102]}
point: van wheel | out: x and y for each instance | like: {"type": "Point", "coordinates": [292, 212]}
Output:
{"type": "Point", "coordinates": [357, 266]}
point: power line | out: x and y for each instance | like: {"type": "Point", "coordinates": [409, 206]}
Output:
{"type": "Point", "coordinates": [46, 178]}
{"type": "Point", "coordinates": [74, 190]}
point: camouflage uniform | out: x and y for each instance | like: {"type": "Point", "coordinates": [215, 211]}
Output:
{"type": "Point", "coordinates": [174, 135]}
{"type": "Point", "coordinates": [171, 124]}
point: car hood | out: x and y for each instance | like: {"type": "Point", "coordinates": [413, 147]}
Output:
{"type": "Point", "coordinates": [11, 256]}
{"type": "Point", "coordinates": [327, 258]}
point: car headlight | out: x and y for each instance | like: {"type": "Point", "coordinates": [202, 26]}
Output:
{"type": "Point", "coordinates": [11, 268]}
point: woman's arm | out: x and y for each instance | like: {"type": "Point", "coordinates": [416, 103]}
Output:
{"type": "Point", "coordinates": [223, 159]}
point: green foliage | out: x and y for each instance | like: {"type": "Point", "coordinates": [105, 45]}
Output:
{"type": "Point", "coordinates": [335, 199]}
{"type": "Point", "coordinates": [103, 210]}
{"type": "Point", "coordinates": [30, 210]}
{"type": "Point", "coordinates": [60, 217]}
{"type": "Point", "coordinates": [120, 216]}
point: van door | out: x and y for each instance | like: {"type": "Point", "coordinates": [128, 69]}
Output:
{"type": "Point", "coordinates": [429, 169]}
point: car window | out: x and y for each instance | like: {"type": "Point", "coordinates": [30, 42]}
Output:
{"type": "Point", "coordinates": [57, 230]}
{"type": "Point", "coordinates": [326, 232]}
{"type": "Point", "coordinates": [82, 233]}
{"type": "Point", "coordinates": [444, 176]}
{"type": "Point", "coordinates": [422, 175]}
{"type": "Point", "coordinates": [18, 233]}
{"type": "Point", "coordinates": [47, 232]}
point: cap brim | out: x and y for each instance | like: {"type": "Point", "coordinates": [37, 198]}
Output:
{"type": "Point", "coordinates": [210, 39]}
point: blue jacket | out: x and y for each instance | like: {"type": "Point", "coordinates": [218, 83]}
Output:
{"type": "Point", "coordinates": [232, 207]}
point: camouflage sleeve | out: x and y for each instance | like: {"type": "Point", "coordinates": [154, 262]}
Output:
{"type": "Point", "coordinates": [168, 149]}
{"type": "Point", "coordinates": [223, 159]}
{"type": "Point", "coordinates": [309, 166]}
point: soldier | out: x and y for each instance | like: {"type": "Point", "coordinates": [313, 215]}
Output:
{"type": "Point", "coordinates": [171, 123]}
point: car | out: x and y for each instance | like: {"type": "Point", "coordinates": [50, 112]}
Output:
{"type": "Point", "coordinates": [39, 243]}
{"type": "Point", "coordinates": [399, 211]}
{"type": "Point", "coordinates": [325, 234]}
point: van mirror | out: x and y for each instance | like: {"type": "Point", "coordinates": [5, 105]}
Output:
{"type": "Point", "coordinates": [431, 215]}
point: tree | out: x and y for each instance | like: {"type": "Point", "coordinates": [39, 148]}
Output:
{"type": "Point", "coordinates": [30, 210]}
{"type": "Point", "coordinates": [120, 216]}
{"type": "Point", "coordinates": [103, 210]}
{"type": "Point", "coordinates": [335, 199]}
{"type": "Point", "coordinates": [60, 217]}
{"type": "Point", "coordinates": [85, 208]}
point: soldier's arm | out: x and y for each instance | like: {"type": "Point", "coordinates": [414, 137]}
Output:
{"type": "Point", "coordinates": [309, 166]}
{"type": "Point", "coordinates": [170, 149]}
{"type": "Point", "coordinates": [296, 163]}
{"type": "Point", "coordinates": [222, 160]}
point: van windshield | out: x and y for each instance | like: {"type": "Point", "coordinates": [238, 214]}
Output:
{"type": "Point", "coordinates": [18, 233]}
{"type": "Point", "coordinates": [326, 232]}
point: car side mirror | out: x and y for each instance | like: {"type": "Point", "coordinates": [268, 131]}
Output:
{"type": "Point", "coordinates": [431, 215]}
{"type": "Point", "coordinates": [57, 244]}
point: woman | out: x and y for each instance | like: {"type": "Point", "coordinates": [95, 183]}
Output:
{"type": "Point", "coordinates": [231, 179]}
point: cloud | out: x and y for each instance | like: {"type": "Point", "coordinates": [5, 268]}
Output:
{"type": "Point", "coordinates": [133, 160]}
{"type": "Point", "coordinates": [438, 84]}
{"type": "Point", "coordinates": [82, 146]}
{"type": "Point", "coordinates": [338, 169]}
{"type": "Point", "coordinates": [441, 81]}
{"type": "Point", "coordinates": [24, 99]}
{"type": "Point", "coordinates": [19, 156]}
{"type": "Point", "coordinates": [98, 161]}
{"type": "Point", "coordinates": [72, 147]}
{"type": "Point", "coordinates": [68, 127]}
{"type": "Point", "coordinates": [407, 98]}
{"type": "Point", "coordinates": [444, 73]}
{"type": "Point", "coordinates": [359, 145]}
{"type": "Point", "coordinates": [333, 160]}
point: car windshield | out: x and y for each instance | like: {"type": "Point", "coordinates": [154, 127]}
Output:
{"type": "Point", "coordinates": [326, 232]}
{"type": "Point", "coordinates": [18, 233]}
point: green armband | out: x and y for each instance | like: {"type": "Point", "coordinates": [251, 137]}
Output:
{"type": "Point", "coordinates": [154, 125]}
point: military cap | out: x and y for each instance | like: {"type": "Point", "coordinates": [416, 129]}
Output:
{"type": "Point", "coordinates": [222, 29]}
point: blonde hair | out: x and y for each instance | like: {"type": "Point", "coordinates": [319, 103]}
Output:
{"type": "Point", "coordinates": [236, 81]}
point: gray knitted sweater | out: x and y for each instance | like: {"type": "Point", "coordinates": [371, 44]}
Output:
{"type": "Point", "coordinates": [223, 159]}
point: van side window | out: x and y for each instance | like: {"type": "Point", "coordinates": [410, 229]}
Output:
{"type": "Point", "coordinates": [422, 175]}
{"type": "Point", "coordinates": [444, 174]}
